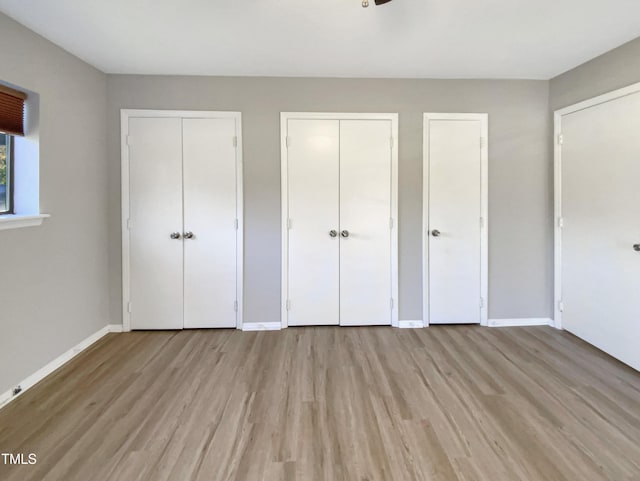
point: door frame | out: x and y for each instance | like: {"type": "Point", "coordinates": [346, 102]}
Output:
{"type": "Point", "coordinates": [286, 116]}
{"type": "Point", "coordinates": [484, 210]}
{"type": "Point", "coordinates": [125, 115]}
{"type": "Point", "coordinates": [557, 185]}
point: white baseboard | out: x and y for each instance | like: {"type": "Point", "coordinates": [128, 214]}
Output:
{"type": "Point", "coordinates": [531, 321]}
{"type": "Point", "coordinates": [410, 324]}
{"type": "Point", "coordinates": [261, 326]}
{"type": "Point", "coordinates": [8, 396]}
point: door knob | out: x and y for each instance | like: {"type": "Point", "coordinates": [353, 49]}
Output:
{"type": "Point", "coordinates": [333, 233]}
{"type": "Point", "coordinates": [175, 235]}
{"type": "Point", "coordinates": [344, 233]}
{"type": "Point", "coordinates": [636, 247]}
{"type": "Point", "coordinates": [435, 233]}
{"type": "Point", "coordinates": [188, 235]}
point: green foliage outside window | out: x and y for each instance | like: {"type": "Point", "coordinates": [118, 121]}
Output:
{"type": "Point", "coordinates": [4, 174]}
{"type": "Point", "coordinates": [3, 163]}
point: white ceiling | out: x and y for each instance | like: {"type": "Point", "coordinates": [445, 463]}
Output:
{"type": "Point", "coordinates": [535, 39]}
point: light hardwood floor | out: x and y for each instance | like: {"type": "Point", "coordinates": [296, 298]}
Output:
{"type": "Point", "coordinates": [335, 404]}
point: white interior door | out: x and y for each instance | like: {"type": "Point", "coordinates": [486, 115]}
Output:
{"type": "Point", "coordinates": [454, 220]}
{"type": "Point", "coordinates": [155, 209]}
{"type": "Point", "coordinates": [209, 159]}
{"type": "Point", "coordinates": [600, 199]}
{"type": "Point", "coordinates": [365, 222]}
{"type": "Point", "coordinates": [313, 200]}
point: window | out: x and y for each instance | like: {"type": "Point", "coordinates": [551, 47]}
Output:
{"type": "Point", "coordinates": [19, 159]}
{"type": "Point", "coordinates": [12, 110]}
{"type": "Point", "coordinates": [6, 174]}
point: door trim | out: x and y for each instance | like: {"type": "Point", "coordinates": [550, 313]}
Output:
{"type": "Point", "coordinates": [284, 117]}
{"type": "Point", "coordinates": [557, 185]}
{"type": "Point", "coordinates": [484, 210]}
{"type": "Point", "coordinates": [125, 115]}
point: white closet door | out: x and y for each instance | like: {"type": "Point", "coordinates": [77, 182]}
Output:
{"type": "Point", "coordinates": [313, 170]}
{"type": "Point", "coordinates": [155, 206]}
{"type": "Point", "coordinates": [209, 158]}
{"type": "Point", "coordinates": [600, 199]}
{"type": "Point", "coordinates": [454, 254]}
{"type": "Point", "coordinates": [365, 216]}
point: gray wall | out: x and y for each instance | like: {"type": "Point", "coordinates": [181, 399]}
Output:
{"type": "Point", "coordinates": [520, 195]}
{"type": "Point", "coordinates": [613, 70]}
{"type": "Point", "coordinates": [54, 288]}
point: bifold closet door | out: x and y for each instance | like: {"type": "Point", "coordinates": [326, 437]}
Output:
{"type": "Point", "coordinates": [313, 193]}
{"type": "Point", "coordinates": [454, 221]}
{"type": "Point", "coordinates": [600, 195]}
{"type": "Point", "coordinates": [365, 222]}
{"type": "Point", "coordinates": [209, 165]}
{"type": "Point", "coordinates": [155, 210]}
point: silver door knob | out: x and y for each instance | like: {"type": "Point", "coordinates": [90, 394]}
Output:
{"type": "Point", "coordinates": [175, 235]}
{"type": "Point", "coordinates": [188, 235]}
{"type": "Point", "coordinates": [435, 233]}
{"type": "Point", "coordinates": [333, 233]}
{"type": "Point", "coordinates": [636, 247]}
{"type": "Point", "coordinates": [344, 233]}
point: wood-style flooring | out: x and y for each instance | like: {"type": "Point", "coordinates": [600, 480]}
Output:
{"type": "Point", "coordinates": [331, 404]}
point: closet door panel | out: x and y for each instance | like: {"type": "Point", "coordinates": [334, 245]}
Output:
{"type": "Point", "coordinates": [365, 213]}
{"type": "Point", "coordinates": [313, 170]}
{"type": "Point", "coordinates": [600, 199]}
{"type": "Point", "coordinates": [209, 158]}
{"type": "Point", "coordinates": [155, 210]}
{"type": "Point", "coordinates": [454, 255]}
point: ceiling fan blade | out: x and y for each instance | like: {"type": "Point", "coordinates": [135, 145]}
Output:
{"type": "Point", "coordinates": [381, 2]}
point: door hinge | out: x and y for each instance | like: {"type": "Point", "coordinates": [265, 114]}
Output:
{"type": "Point", "coordinates": [288, 141]}
{"type": "Point", "coordinates": [561, 306]}
{"type": "Point", "coordinates": [235, 141]}
{"type": "Point", "coordinates": [482, 222]}
{"type": "Point", "coordinates": [288, 305]}
{"type": "Point", "coordinates": [482, 302]}
{"type": "Point", "coordinates": [560, 139]}
{"type": "Point", "coordinates": [129, 307]}
{"type": "Point", "coordinates": [129, 141]}
{"type": "Point", "coordinates": [561, 222]}
{"type": "Point", "coordinates": [235, 306]}
{"type": "Point", "coordinates": [289, 223]}
{"type": "Point", "coordinates": [481, 142]}
{"type": "Point", "coordinates": [392, 143]}
{"type": "Point", "coordinates": [236, 223]}
{"type": "Point", "coordinates": [390, 222]}
{"type": "Point", "coordinates": [392, 303]}
{"type": "Point", "coordinates": [128, 224]}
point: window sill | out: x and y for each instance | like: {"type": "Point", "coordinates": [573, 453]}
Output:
{"type": "Point", "coordinates": [17, 221]}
